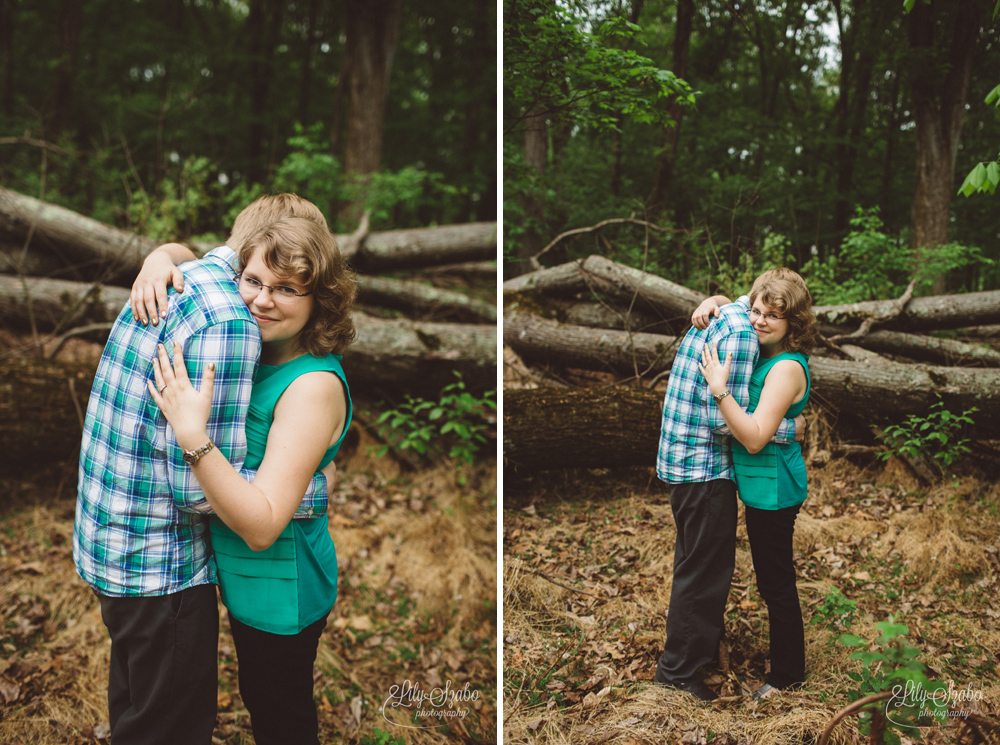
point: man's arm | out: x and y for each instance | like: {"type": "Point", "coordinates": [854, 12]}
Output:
{"type": "Point", "coordinates": [234, 347]}
{"type": "Point", "coordinates": [316, 499]}
{"type": "Point", "coordinates": [744, 348]}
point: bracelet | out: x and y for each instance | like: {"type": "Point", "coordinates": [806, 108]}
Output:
{"type": "Point", "coordinates": [719, 396]}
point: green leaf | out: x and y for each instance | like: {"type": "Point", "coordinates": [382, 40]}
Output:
{"type": "Point", "coordinates": [850, 640]}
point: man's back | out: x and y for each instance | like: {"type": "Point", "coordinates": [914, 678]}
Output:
{"type": "Point", "coordinates": [131, 537]}
{"type": "Point", "coordinates": [690, 449]}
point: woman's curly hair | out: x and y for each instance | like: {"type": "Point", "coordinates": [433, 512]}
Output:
{"type": "Point", "coordinates": [785, 292]}
{"type": "Point", "coordinates": [300, 247]}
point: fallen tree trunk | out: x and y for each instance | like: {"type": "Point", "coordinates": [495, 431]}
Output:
{"type": "Point", "coordinates": [71, 236]}
{"type": "Point", "coordinates": [417, 297]}
{"type": "Point", "coordinates": [596, 273]}
{"type": "Point", "coordinates": [542, 340]}
{"type": "Point", "coordinates": [388, 355]}
{"type": "Point", "coordinates": [929, 348]}
{"type": "Point", "coordinates": [102, 251]}
{"type": "Point", "coordinates": [549, 428]}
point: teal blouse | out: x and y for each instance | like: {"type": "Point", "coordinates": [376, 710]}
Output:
{"type": "Point", "coordinates": [775, 477]}
{"type": "Point", "coordinates": [293, 583]}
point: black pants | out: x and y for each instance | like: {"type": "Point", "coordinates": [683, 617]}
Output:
{"type": "Point", "coordinates": [770, 533]}
{"type": "Point", "coordinates": [163, 680]}
{"type": "Point", "coordinates": [276, 682]}
{"type": "Point", "coordinates": [704, 561]}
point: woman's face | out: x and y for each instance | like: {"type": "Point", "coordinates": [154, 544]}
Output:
{"type": "Point", "coordinates": [771, 326]}
{"type": "Point", "coordinates": [280, 318]}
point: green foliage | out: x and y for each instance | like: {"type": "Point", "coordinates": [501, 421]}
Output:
{"type": "Point", "coordinates": [310, 170]}
{"type": "Point", "coordinates": [182, 198]}
{"type": "Point", "coordinates": [934, 437]}
{"type": "Point", "coordinates": [381, 737]}
{"type": "Point", "coordinates": [835, 611]}
{"type": "Point", "coordinates": [892, 666]}
{"type": "Point", "coordinates": [453, 427]}
{"type": "Point", "coordinates": [985, 177]}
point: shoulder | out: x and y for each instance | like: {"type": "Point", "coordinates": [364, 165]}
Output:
{"type": "Point", "coordinates": [789, 368]}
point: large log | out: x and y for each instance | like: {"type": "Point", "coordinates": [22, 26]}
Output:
{"type": "Point", "coordinates": [584, 277]}
{"type": "Point", "coordinates": [389, 355]}
{"type": "Point", "coordinates": [551, 428]}
{"type": "Point", "coordinates": [422, 298]}
{"type": "Point", "coordinates": [79, 240]}
{"type": "Point", "coordinates": [541, 340]}
{"type": "Point", "coordinates": [101, 251]}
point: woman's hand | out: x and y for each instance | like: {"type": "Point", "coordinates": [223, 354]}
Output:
{"type": "Point", "coordinates": [704, 313]}
{"type": "Point", "coordinates": [149, 291]}
{"type": "Point", "coordinates": [185, 408]}
{"type": "Point", "coordinates": [716, 373]}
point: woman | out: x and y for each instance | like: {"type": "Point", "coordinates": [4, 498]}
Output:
{"type": "Point", "coordinates": [771, 478]}
{"type": "Point", "coordinates": [278, 576]}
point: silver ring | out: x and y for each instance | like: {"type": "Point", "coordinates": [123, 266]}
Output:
{"type": "Point", "coordinates": [162, 390]}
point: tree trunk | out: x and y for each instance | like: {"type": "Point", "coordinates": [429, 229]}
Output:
{"type": "Point", "coordinates": [388, 355]}
{"type": "Point", "coordinates": [663, 178]}
{"type": "Point", "coordinates": [7, 57]}
{"type": "Point", "coordinates": [403, 249]}
{"type": "Point", "coordinates": [424, 299]}
{"type": "Point", "coordinates": [263, 26]}
{"type": "Point", "coordinates": [929, 349]}
{"type": "Point", "coordinates": [536, 157]}
{"type": "Point", "coordinates": [65, 71]}
{"type": "Point", "coordinates": [543, 341]}
{"type": "Point", "coordinates": [372, 28]}
{"type": "Point", "coordinates": [939, 110]}
{"type": "Point", "coordinates": [73, 237]}
{"type": "Point", "coordinates": [546, 428]}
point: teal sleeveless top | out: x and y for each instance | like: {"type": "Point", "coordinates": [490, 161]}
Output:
{"type": "Point", "coordinates": [775, 477]}
{"type": "Point", "coordinates": [292, 583]}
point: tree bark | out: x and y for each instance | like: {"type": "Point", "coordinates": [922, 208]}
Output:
{"type": "Point", "coordinates": [536, 158]}
{"type": "Point", "coordinates": [424, 299]}
{"type": "Point", "coordinates": [263, 26]}
{"type": "Point", "coordinates": [541, 340]}
{"type": "Point", "coordinates": [372, 29]}
{"type": "Point", "coordinates": [65, 71]}
{"type": "Point", "coordinates": [73, 237]}
{"type": "Point", "coordinates": [546, 428]}
{"type": "Point", "coordinates": [388, 355]}
{"type": "Point", "coordinates": [939, 109]}
{"type": "Point", "coordinates": [88, 249]}
{"type": "Point", "coordinates": [929, 349]}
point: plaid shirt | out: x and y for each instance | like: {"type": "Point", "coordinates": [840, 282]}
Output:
{"type": "Point", "coordinates": [694, 443]}
{"type": "Point", "coordinates": [140, 513]}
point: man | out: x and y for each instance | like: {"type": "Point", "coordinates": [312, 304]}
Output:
{"type": "Point", "coordinates": [141, 536]}
{"type": "Point", "coordinates": [694, 458]}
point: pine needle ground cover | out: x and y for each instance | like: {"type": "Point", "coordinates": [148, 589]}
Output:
{"type": "Point", "coordinates": [417, 608]}
{"type": "Point", "coordinates": [587, 560]}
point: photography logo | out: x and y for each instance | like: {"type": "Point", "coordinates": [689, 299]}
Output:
{"type": "Point", "coordinates": [429, 707]}
{"type": "Point", "coordinates": [912, 705]}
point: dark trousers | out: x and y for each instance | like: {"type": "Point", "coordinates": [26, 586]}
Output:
{"type": "Point", "coordinates": [276, 682]}
{"type": "Point", "coordinates": [704, 561]}
{"type": "Point", "coordinates": [770, 533]}
{"type": "Point", "coordinates": [163, 679]}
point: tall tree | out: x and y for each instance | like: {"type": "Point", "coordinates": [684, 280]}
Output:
{"type": "Point", "coordinates": [263, 28]}
{"type": "Point", "coordinates": [942, 37]}
{"type": "Point", "coordinates": [65, 69]}
{"type": "Point", "coordinates": [372, 28]}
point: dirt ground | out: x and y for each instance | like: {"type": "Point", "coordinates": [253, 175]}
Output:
{"type": "Point", "coordinates": [416, 613]}
{"type": "Point", "coordinates": [587, 559]}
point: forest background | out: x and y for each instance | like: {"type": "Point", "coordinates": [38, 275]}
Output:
{"type": "Point", "coordinates": [164, 118]}
{"type": "Point", "coordinates": [829, 136]}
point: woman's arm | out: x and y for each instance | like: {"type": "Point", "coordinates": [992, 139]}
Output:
{"type": "Point", "coordinates": [159, 270]}
{"type": "Point", "coordinates": [785, 383]}
{"type": "Point", "coordinates": [308, 416]}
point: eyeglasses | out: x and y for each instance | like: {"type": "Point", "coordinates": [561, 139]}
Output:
{"type": "Point", "coordinates": [280, 293]}
{"type": "Point", "coordinates": [755, 314]}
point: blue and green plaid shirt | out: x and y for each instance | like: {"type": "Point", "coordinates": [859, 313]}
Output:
{"type": "Point", "coordinates": [140, 514]}
{"type": "Point", "coordinates": [694, 443]}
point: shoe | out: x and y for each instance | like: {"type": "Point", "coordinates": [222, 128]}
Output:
{"type": "Point", "coordinates": [696, 688]}
{"type": "Point", "coordinates": [765, 691]}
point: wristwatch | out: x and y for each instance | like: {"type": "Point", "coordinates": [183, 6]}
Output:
{"type": "Point", "coordinates": [193, 456]}
{"type": "Point", "coordinates": [717, 396]}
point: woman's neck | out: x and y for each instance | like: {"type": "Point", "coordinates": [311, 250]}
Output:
{"type": "Point", "coordinates": [280, 352]}
{"type": "Point", "coordinates": [769, 350]}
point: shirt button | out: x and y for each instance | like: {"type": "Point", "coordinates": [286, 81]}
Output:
{"type": "Point", "coordinates": [309, 511]}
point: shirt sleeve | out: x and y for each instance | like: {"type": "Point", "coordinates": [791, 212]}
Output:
{"type": "Point", "coordinates": [313, 504]}
{"type": "Point", "coordinates": [234, 347]}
